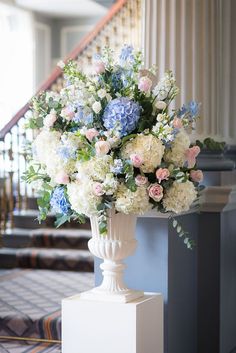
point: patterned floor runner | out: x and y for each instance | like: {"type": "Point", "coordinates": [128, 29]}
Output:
{"type": "Point", "coordinates": [30, 301]}
{"type": "Point", "coordinates": [20, 347]}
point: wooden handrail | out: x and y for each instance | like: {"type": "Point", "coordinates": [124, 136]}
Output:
{"type": "Point", "coordinates": [87, 39]}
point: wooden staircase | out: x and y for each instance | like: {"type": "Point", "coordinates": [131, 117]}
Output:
{"type": "Point", "coordinates": [39, 264]}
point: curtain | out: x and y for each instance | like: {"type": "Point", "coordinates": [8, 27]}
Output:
{"type": "Point", "coordinates": [16, 60]}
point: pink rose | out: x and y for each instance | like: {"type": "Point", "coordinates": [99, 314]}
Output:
{"type": "Point", "coordinates": [144, 84]}
{"type": "Point", "coordinates": [67, 113]}
{"type": "Point", "coordinates": [155, 192]}
{"type": "Point", "coordinates": [141, 180]}
{"type": "Point", "coordinates": [191, 155]}
{"type": "Point", "coordinates": [162, 174]}
{"type": "Point", "coordinates": [177, 123]}
{"type": "Point", "coordinates": [49, 120]}
{"type": "Point", "coordinates": [91, 133]}
{"type": "Point", "coordinates": [102, 147]}
{"type": "Point", "coordinates": [136, 160]}
{"type": "Point", "coordinates": [62, 178]}
{"type": "Point", "coordinates": [99, 67]}
{"type": "Point", "coordinates": [196, 175]}
{"type": "Point", "coordinates": [97, 189]}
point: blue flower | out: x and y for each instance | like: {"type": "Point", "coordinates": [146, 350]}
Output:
{"type": "Point", "coordinates": [81, 117]}
{"type": "Point", "coordinates": [119, 79]}
{"type": "Point", "coordinates": [59, 202]}
{"type": "Point", "coordinates": [121, 114]}
{"type": "Point", "coordinates": [65, 153]}
{"type": "Point", "coordinates": [117, 168]}
{"type": "Point", "coordinates": [126, 53]}
{"type": "Point", "coordinates": [191, 109]}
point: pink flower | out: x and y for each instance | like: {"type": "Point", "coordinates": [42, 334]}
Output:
{"type": "Point", "coordinates": [67, 113]}
{"type": "Point", "coordinates": [102, 147]}
{"type": "Point", "coordinates": [136, 160]}
{"type": "Point", "coordinates": [191, 155]}
{"type": "Point", "coordinates": [196, 175]}
{"type": "Point", "coordinates": [97, 189]}
{"type": "Point", "coordinates": [99, 67]}
{"type": "Point", "coordinates": [49, 120]}
{"type": "Point", "coordinates": [155, 192]}
{"type": "Point", "coordinates": [144, 84]}
{"type": "Point", "coordinates": [62, 178]}
{"type": "Point", "coordinates": [91, 133]}
{"type": "Point", "coordinates": [162, 174]}
{"type": "Point", "coordinates": [177, 123]}
{"type": "Point", "coordinates": [141, 180]}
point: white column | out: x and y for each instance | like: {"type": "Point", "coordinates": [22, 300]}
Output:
{"type": "Point", "coordinates": [194, 38]}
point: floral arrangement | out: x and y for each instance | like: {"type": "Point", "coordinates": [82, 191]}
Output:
{"type": "Point", "coordinates": [109, 139]}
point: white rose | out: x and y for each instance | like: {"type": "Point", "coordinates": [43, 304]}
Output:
{"type": "Point", "coordinates": [96, 107]}
{"type": "Point", "coordinates": [160, 105]}
{"type": "Point", "coordinates": [102, 93]}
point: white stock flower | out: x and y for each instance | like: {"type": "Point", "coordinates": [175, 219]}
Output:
{"type": "Point", "coordinates": [102, 93]}
{"type": "Point", "coordinates": [128, 201]}
{"type": "Point", "coordinates": [177, 153]}
{"type": "Point", "coordinates": [149, 148]}
{"type": "Point", "coordinates": [179, 197]}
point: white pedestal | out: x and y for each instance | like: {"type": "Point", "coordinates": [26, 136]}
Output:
{"type": "Point", "coordinates": [106, 327]}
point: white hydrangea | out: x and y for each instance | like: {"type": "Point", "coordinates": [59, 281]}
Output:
{"type": "Point", "coordinates": [149, 148]}
{"type": "Point", "coordinates": [132, 202]}
{"type": "Point", "coordinates": [179, 197]}
{"type": "Point", "coordinates": [82, 197]}
{"type": "Point", "coordinates": [96, 168]}
{"type": "Point", "coordinates": [110, 184]}
{"type": "Point", "coordinates": [176, 154]}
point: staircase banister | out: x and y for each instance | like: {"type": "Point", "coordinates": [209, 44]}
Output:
{"type": "Point", "coordinates": [87, 39]}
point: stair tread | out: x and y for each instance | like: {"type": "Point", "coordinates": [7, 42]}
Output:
{"type": "Point", "coordinates": [30, 300]}
{"type": "Point", "coordinates": [48, 251]}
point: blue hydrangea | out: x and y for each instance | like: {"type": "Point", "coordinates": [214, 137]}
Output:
{"type": "Point", "coordinates": [117, 167]}
{"type": "Point", "coordinates": [59, 202]}
{"type": "Point", "coordinates": [122, 115]}
{"type": "Point", "coordinates": [191, 109]}
{"type": "Point", "coordinates": [66, 153]}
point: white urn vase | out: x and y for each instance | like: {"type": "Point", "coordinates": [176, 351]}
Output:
{"type": "Point", "coordinates": [116, 245]}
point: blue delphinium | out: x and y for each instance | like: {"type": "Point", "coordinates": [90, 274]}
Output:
{"type": "Point", "coordinates": [126, 54]}
{"type": "Point", "coordinates": [117, 167]}
{"type": "Point", "coordinates": [59, 202]}
{"type": "Point", "coordinates": [122, 115]}
{"type": "Point", "coordinates": [191, 109]}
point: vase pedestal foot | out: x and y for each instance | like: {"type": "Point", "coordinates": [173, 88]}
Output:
{"type": "Point", "coordinates": [125, 296]}
{"type": "Point", "coordinates": [109, 327]}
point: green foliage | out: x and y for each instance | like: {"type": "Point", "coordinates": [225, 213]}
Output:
{"type": "Point", "coordinates": [129, 176]}
{"type": "Point", "coordinates": [211, 144]}
{"type": "Point", "coordinates": [33, 173]}
{"type": "Point", "coordinates": [190, 243]}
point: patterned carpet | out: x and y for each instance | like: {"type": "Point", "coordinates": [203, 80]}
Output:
{"type": "Point", "coordinates": [30, 302]}
{"type": "Point", "coordinates": [21, 347]}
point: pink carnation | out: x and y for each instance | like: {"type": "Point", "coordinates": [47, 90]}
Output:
{"type": "Point", "coordinates": [177, 123]}
{"type": "Point", "coordinates": [136, 160]}
{"type": "Point", "coordinates": [144, 84]}
{"type": "Point", "coordinates": [99, 67]}
{"type": "Point", "coordinates": [141, 180]}
{"type": "Point", "coordinates": [62, 178]}
{"type": "Point", "coordinates": [102, 147]}
{"type": "Point", "coordinates": [191, 155]}
{"type": "Point", "coordinates": [162, 174]}
{"type": "Point", "coordinates": [155, 191]}
{"type": "Point", "coordinates": [97, 189]}
{"type": "Point", "coordinates": [196, 175]}
{"type": "Point", "coordinates": [91, 133]}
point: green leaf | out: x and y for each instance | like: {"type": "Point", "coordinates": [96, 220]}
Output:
{"type": "Point", "coordinates": [61, 219]}
{"type": "Point", "coordinates": [175, 223]}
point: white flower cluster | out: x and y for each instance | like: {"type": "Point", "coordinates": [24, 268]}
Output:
{"type": "Point", "coordinates": [82, 198]}
{"type": "Point", "coordinates": [163, 129]}
{"type": "Point", "coordinates": [179, 197]}
{"type": "Point", "coordinates": [177, 153]}
{"type": "Point", "coordinates": [149, 148]}
{"type": "Point", "coordinates": [166, 87]}
{"type": "Point", "coordinates": [132, 202]}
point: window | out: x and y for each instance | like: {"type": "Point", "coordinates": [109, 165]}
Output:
{"type": "Point", "coordinates": [16, 60]}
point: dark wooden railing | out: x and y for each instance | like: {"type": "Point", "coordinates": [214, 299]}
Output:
{"type": "Point", "coordinates": [120, 25]}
